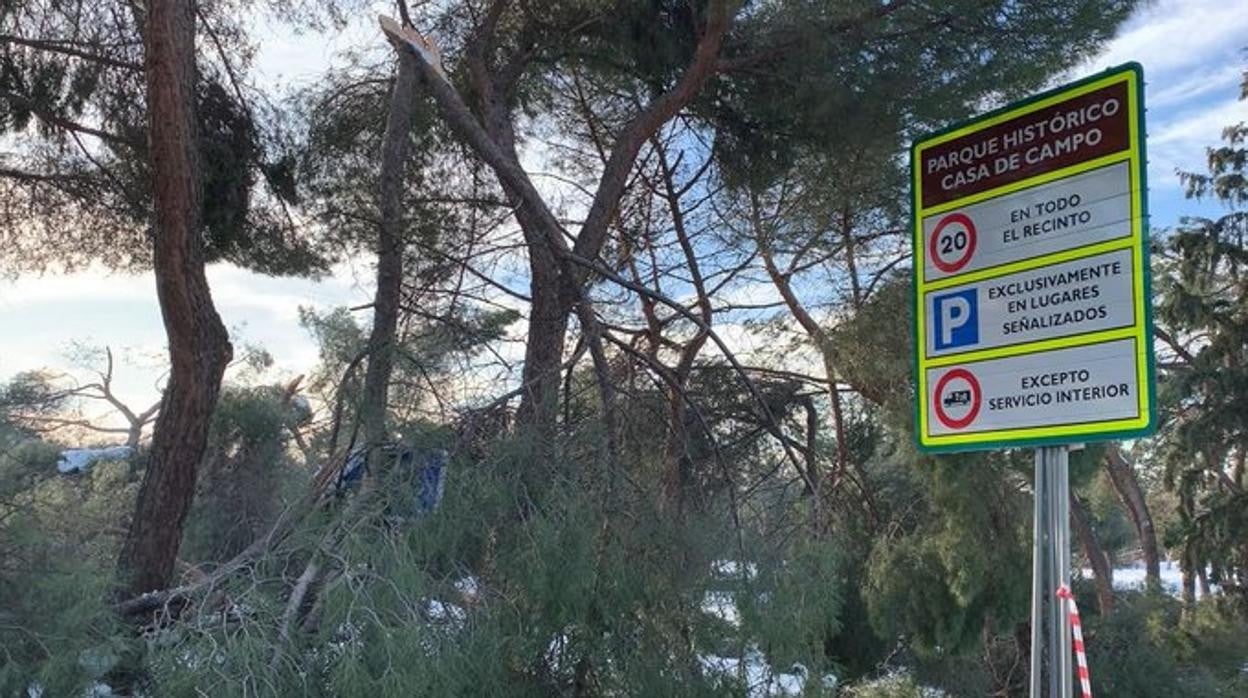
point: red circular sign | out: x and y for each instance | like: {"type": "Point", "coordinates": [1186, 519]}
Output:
{"type": "Point", "coordinates": [966, 250]}
{"type": "Point", "coordinates": [940, 402]}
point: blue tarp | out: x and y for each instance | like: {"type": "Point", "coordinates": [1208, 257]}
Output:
{"type": "Point", "coordinates": [427, 468]}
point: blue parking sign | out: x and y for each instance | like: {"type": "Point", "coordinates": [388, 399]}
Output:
{"type": "Point", "coordinates": [956, 319]}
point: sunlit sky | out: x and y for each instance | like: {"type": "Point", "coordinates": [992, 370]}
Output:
{"type": "Point", "coordinates": [1193, 57]}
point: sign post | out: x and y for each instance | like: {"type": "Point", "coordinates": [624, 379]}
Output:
{"type": "Point", "coordinates": [1031, 302]}
{"type": "Point", "coordinates": [1051, 573]}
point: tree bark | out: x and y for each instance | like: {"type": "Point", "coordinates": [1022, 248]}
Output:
{"type": "Point", "coordinates": [395, 149]}
{"type": "Point", "coordinates": [543, 349]}
{"type": "Point", "coordinates": [679, 461]}
{"type": "Point", "coordinates": [1102, 573]}
{"type": "Point", "coordinates": [1187, 570]}
{"type": "Point", "coordinates": [1122, 475]}
{"type": "Point", "coordinates": [818, 337]}
{"type": "Point", "coordinates": [199, 346]}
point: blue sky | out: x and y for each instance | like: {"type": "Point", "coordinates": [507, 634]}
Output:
{"type": "Point", "coordinates": [1194, 57]}
{"type": "Point", "coordinates": [1192, 52]}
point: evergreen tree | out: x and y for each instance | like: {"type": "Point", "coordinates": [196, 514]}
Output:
{"type": "Point", "coordinates": [1203, 310]}
{"type": "Point", "coordinates": [76, 174]}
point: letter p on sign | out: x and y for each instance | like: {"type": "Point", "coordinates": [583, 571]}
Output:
{"type": "Point", "coordinates": [956, 319]}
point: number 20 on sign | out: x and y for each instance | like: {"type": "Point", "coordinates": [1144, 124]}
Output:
{"type": "Point", "coordinates": [1032, 314]}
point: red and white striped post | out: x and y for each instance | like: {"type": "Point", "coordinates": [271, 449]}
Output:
{"type": "Point", "coordinates": [1081, 657]}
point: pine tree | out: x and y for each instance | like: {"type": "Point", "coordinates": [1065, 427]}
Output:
{"type": "Point", "coordinates": [1203, 311]}
{"type": "Point", "coordinates": [76, 171]}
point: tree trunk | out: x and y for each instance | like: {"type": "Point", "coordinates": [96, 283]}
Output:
{"type": "Point", "coordinates": [1202, 576]}
{"type": "Point", "coordinates": [543, 351]}
{"type": "Point", "coordinates": [1122, 475]}
{"type": "Point", "coordinates": [823, 343]}
{"type": "Point", "coordinates": [820, 492]}
{"type": "Point", "coordinates": [395, 149]}
{"type": "Point", "coordinates": [676, 453]}
{"type": "Point", "coordinates": [199, 346]}
{"type": "Point", "coordinates": [134, 435]}
{"type": "Point", "coordinates": [1187, 570]}
{"type": "Point", "coordinates": [1102, 573]}
{"type": "Point", "coordinates": [838, 413]}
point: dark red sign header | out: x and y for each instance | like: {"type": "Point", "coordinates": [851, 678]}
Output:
{"type": "Point", "coordinates": [1075, 130]}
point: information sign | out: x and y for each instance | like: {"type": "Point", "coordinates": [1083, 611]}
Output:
{"type": "Point", "coordinates": [1032, 319]}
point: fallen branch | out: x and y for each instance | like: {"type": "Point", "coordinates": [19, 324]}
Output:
{"type": "Point", "coordinates": [167, 599]}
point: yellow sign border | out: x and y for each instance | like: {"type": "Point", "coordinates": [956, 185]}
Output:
{"type": "Point", "coordinates": [1140, 331]}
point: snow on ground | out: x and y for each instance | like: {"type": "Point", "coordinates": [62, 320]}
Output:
{"type": "Point", "coordinates": [556, 653]}
{"type": "Point", "coordinates": [731, 569]}
{"type": "Point", "coordinates": [95, 690]}
{"type": "Point", "coordinates": [721, 605]}
{"type": "Point", "coordinates": [899, 680]}
{"type": "Point", "coordinates": [442, 612]}
{"type": "Point", "coordinates": [1132, 578]}
{"type": "Point", "coordinates": [760, 679]}
{"type": "Point", "coordinates": [78, 460]}
{"type": "Point", "coordinates": [468, 587]}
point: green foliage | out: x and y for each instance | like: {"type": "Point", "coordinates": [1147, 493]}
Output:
{"type": "Point", "coordinates": [55, 629]}
{"type": "Point", "coordinates": [1145, 650]}
{"type": "Point", "coordinates": [339, 163]}
{"type": "Point", "coordinates": [1203, 278]}
{"type": "Point", "coordinates": [582, 586]}
{"type": "Point", "coordinates": [30, 393]}
{"type": "Point", "coordinates": [794, 607]}
{"type": "Point", "coordinates": [869, 355]}
{"type": "Point", "coordinates": [562, 593]}
{"type": "Point", "coordinates": [79, 181]}
{"type": "Point", "coordinates": [1112, 526]}
{"type": "Point", "coordinates": [1110, 523]}
{"type": "Point", "coordinates": [962, 565]}
{"type": "Point", "coordinates": [25, 463]}
{"type": "Point", "coordinates": [911, 68]}
{"type": "Point", "coordinates": [896, 685]}
{"type": "Point", "coordinates": [428, 352]}
{"type": "Point", "coordinates": [908, 590]}
{"type": "Point", "coordinates": [247, 473]}
{"type": "Point", "coordinates": [58, 542]}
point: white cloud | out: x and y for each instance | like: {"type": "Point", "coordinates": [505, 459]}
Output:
{"type": "Point", "coordinates": [1178, 34]}
{"type": "Point", "coordinates": [94, 284]}
{"type": "Point", "coordinates": [1180, 142]}
{"type": "Point", "coordinates": [1210, 81]}
{"type": "Point", "coordinates": [246, 293]}
{"type": "Point", "coordinates": [121, 311]}
{"type": "Point", "coordinates": [1193, 54]}
{"type": "Point", "coordinates": [1204, 122]}
{"type": "Point", "coordinates": [295, 60]}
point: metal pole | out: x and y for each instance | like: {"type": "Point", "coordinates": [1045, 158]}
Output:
{"type": "Point", "coordinates": [1054, 621]}
{"type": "Point", "coordinates": [1065, 673]}
{"type": "Point", "coordinates": [1050, 561]}
{"type": "Point", "coordinates": [1038, 527]}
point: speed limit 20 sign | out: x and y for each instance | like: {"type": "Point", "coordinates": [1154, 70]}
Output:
{"type": "Point", "coordinates": [952, 242]}
{"type": "Point", "coordinates": [1032, 320]}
